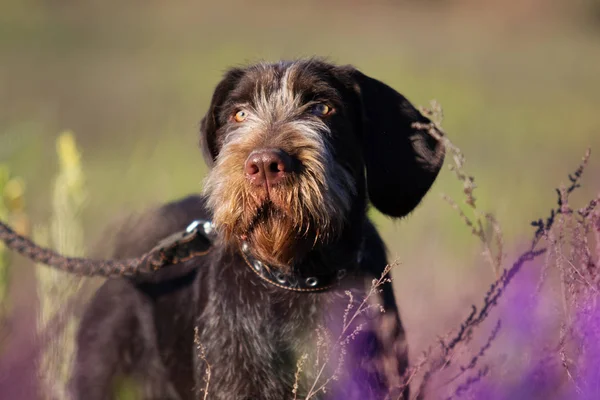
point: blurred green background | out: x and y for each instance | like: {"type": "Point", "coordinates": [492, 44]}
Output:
{"type": "Point", "coordinates": [519, 82]}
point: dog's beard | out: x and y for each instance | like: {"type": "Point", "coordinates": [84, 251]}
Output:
{"type": "Point", "coordinates": [280, 228]}
{"type": "Point", "coordinates": [279, 231]}
{"type": "Point", "coordinates": [277, 239]}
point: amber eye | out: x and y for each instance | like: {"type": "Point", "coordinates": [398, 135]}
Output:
{"type": "Point", "coordinates": [321, 109]}
{"type": "Point", "coordinates": [240, 116]}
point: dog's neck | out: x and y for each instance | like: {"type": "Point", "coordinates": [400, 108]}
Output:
{"type": "Point", "coordinates": [320, 269]}
{"type": "Point", "coordinates": [313, 273]}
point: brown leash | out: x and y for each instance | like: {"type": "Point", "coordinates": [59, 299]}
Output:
{"type": "Point", "coordinates": [195, 241]}
{"type": "Point", "coordinates": [175, 249]}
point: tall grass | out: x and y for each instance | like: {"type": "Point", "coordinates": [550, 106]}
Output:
{"type": "Point", "coordinates": [64, 233]}
{"type": "Point", "coordinates": [12, 208]}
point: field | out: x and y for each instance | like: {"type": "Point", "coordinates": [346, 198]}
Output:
{"type": "Point", "coordinates": [519, 83]}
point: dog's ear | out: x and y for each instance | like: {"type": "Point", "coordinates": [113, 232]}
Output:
{"type": "Point", "coordinates": [210, 124]}
{"type": "Point", "coordinates": [402, 161]}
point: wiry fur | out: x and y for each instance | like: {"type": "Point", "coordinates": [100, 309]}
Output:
{"type": "Point", "coordinates": [310, 206]}
{"type": "Point", "coordinates": [313, 222]}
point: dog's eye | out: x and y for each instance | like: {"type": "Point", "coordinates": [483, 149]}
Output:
{"type": "Point", "coordinates": [321, 109]}
{"type": "Point", "coordinates": [240, 116]}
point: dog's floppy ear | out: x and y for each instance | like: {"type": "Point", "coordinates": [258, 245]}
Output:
{"type": "Point", "coordinates": [402, 161]}
{"type": "Point", "coordinates": [210, 124]}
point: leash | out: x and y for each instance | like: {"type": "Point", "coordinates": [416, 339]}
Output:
{"type": "Point", "coordinates": [177, 248]}
{"type": "Point", "coordinates": [194, 241]}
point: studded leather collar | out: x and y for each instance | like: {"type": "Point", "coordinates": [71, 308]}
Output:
{"type": "Point", "coordinates": [294, 281]}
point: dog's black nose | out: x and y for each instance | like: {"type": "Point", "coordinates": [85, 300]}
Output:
{"type": "Point", "coordinates": [267, 166]}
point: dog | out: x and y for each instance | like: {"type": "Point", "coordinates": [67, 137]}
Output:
{"type": "Point", "coordinates": [296, 152]}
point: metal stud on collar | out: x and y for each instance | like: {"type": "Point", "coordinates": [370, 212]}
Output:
{"type": "Point", "coordinates": [280, 278]}
{"type": "Point", "coordinates": [245, 247]}
{"type": "Point", "coordinates": [312, 281]}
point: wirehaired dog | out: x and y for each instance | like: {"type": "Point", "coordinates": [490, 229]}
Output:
{"type": "Point", "coordinates": [296, 152]}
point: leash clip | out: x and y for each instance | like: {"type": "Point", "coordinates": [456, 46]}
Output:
{"type": "Point", "coordinates": [206, 227]}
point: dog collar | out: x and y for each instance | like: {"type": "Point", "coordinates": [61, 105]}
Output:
{"type": "Point", "coordinates": [294, 282]}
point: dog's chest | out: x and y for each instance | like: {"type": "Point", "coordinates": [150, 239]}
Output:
{"type": "Point", "coordinates": [255, 335]}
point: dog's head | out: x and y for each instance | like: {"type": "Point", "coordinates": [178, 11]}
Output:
{"type": "Point", "coordinates": [289, 143]}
